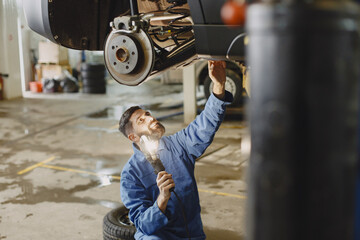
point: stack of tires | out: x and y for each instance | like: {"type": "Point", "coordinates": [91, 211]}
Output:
{"type": "Point", "coordinates": [93, 78]}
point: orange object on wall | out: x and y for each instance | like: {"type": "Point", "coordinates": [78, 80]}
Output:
{"type": "Point", "coordinates": [233, 12]}
{"type": "Point", "coordinates": [2, 85]}
{"type": "Point", "coordinates": [1, 88]}
{"type": "Point", "coordinates": [35, 87]}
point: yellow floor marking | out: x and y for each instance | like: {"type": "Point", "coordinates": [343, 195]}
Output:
{"type": "Point", "coordinates": [36, 165]}
{"type": "Point", "coordinates": [223, 194]}
{"type": "Point", "coordinates": [78, 171]}
{"type": "Point", "coordinates": [42, 164]}
{"type": "Point", "coordinates": [115, 126]}
{"type": "Point", "coordinates": [118, 178]}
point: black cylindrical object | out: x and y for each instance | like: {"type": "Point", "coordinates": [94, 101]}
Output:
{"type": "Point", "coordinates": [303, 114]}
{"type": "Point", "coordinates": [134, 9]}
{"type": "Point", "coordinates": [93, 78]}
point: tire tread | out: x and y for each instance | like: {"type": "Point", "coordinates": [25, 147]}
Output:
{"type": "Point", "coordinates": [113, 230]}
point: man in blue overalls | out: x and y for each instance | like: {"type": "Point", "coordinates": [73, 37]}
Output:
{"type": "Point", "coordinates": [155, 211]}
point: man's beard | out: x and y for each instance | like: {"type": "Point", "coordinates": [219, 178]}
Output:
{"type": "Point", "coordinates": [157, 131]}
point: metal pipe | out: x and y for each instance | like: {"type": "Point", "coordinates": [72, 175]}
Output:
{"type": "Point", "coordinates": [134, 10]}
{"type": "Point", "coordinates": [176, 56]}
{"type": "Point", "coordinates": [305, 61]}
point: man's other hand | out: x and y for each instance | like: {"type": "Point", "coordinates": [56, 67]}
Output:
{"type": "Point", "coordinates": [164, 182]}
{"type": "Point", "coordinates": [217, 73]}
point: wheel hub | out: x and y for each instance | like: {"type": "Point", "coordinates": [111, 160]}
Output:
{"type": "Point", "coordinates": [129, 57]}
{"type": "Point", "coordinates": [123, 54]}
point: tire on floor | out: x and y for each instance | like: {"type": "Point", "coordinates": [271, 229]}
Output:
{"type": "Point", "coordinates": [117, 225]}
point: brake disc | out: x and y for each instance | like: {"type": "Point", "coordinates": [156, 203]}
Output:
{"type": "Point", "coordinates": [129, 57]}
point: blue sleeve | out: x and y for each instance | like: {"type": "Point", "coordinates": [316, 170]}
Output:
{"type": "Point", "coordinates": [144, 213]}
{"type": "Point", "coordinates": [196, 137]}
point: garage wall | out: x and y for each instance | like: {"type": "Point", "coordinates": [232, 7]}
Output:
{"type": "Point", "coordinates": [9, 49]}
{"type": "Point", "coordinates": [24, 33]}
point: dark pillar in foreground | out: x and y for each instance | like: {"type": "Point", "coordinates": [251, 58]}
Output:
{"type": "Point", "coordinates": [304, 62]}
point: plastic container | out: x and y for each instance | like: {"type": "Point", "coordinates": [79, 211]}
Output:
{"type": "Point", "coordinates": [35, 87]}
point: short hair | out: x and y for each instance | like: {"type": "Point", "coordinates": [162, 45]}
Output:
{"type": "Point", "coordinates": [125, 126]}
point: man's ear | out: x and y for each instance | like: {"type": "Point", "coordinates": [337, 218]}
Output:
{"type": "Point", "coordinates": [133, 137]}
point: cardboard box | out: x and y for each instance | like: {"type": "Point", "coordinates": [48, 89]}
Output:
{"type": "Point", "coordinates": [50, 70]}
{"type": "Point", "coordinates": [50, 52]}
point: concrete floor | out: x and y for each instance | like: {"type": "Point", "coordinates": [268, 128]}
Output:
{"type": "Point", "coordinates": [61, 156]}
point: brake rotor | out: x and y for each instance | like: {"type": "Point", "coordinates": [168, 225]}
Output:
{"type": "Point", "coordinates": [129, 57]}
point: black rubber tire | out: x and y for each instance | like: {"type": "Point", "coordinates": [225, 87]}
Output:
{"type": "Point", "coordinates": [92, 74]}
{"type": "Point", "coordinates": [95, 82]}
{"type": "Point", "coordinates": [237, 83]}
{"type": "Point", "coordinates": [117, 226]}
{"type": "Point", "coordinates": [75, 73]}
{"type": "Point", "coordinates": [70, 88]}
{"type": "Point", "coordinates": [97, 90]}
{"type": "Point", "coordinates": [95, 67]}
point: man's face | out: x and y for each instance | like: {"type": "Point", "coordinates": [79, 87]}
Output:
{"type": "Point", "coordinates": [145, 124]}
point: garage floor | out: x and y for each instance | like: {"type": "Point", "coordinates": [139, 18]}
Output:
{"type": "Point", "coordinates": [61, 156]}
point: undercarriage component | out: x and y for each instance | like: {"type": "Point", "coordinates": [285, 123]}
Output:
{"type": "Point", "coordinates": [134, 7]}
{"type": "Point", "coordinates": [143, 45]}
{"type": "Point", "coordinates": [129, 57]}
{"type": "Point", "coordinates": [179, 56]}
{"type": "Point", "coordinates": [80, 24]}
{"type": "Point", "coordinates": [157, 6]}
{"type": "Point", "coordinates": [177, 2]}
{"type": "Point", "coordinates": [126, 56]}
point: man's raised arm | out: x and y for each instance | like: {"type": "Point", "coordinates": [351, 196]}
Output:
{"type": "Point", "coordinates": [196, 137]}
{"type": "Point", "coordinates": [217, 74]}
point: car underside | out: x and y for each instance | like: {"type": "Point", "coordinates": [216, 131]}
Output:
{"type": "Point", "coordinates": [139, 38]}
